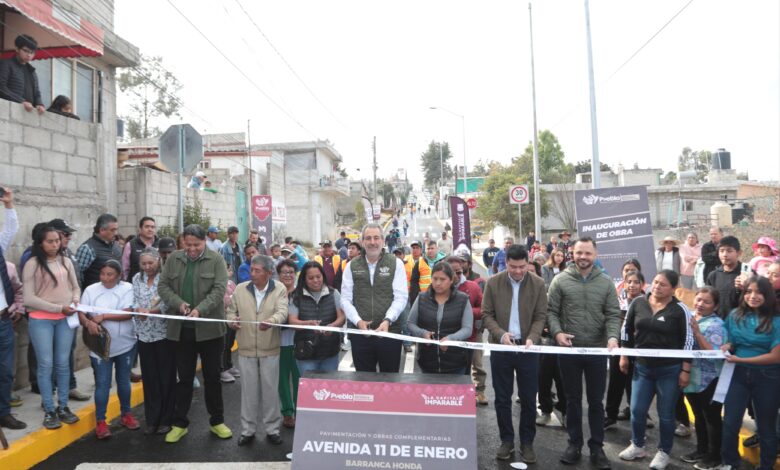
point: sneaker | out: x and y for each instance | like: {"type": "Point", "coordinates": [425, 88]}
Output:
{"type": "Point", "coordinates": [102, 431]}
{"type": "Point", "coordinates": [75, 394]}
{"type": "Point", "coordinates": [527, 453]}
{"type": "Point", "coordinates": [481, 399]}
{"type": "Point", "coordinates": [632, 452]}
{"type": "Point", "coordinates": [609, 422]}
{"type": "Point", "coordinates": [505, 451]}
{"type": "Point", "coordinates": [222, 431]}
{"type": "Point", "coordinates": [624, 414]}
{"type": "Point", "coordinates": [16, 401]}
{"type": "Point", "coordinates": [407, 348]}
{"type": "Point", "coordinates": [226, 377]}
{"type": "Point", "coordinates": [129, 421]}
{"type": "Point", "coordinates": [708, 464]}
{"type": "Point", "coordinates": [682, 430]}
{"type": "Point", "coordinates": [727, 467]}
{"type": "Point", "coordinates": [751, 441]}
{"type": "Point", "coordinates": [346, 345]}
{"type": "Point", "coordinates": [175, 434]}
{"type": "Point", "coordinates": [66, 416]}
{"type": "Point", "coordinates": [51, 420]}
{"type": "Point", "coordinates": [660, 461]}
{"type": "Point", "coordinates": [543, 419]}
{"type": "Point", "coordinates": [235, 372]}
{"type": "Point", "coordinates": [694, 456]}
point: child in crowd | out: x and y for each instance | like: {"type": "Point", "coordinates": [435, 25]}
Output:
{"type": "Point", "coordinates": [765, 250]}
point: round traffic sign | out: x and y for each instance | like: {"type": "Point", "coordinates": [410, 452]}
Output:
{"type": "Point", "coordinates": [519, 194]}
{"type": "Point", "coordinates": [471, 202]}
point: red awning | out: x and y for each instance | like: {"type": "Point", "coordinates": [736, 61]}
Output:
{"type": "Point", "coordinates": [59, 33]}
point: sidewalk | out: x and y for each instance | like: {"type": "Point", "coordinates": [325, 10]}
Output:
{"type": "Point", "coordinates": [35, 444]}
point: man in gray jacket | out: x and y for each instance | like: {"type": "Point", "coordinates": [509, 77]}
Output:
{"type": "Point", "coordinates": [583, 311]}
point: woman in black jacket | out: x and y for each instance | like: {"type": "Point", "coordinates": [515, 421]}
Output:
{"type": "Point", "coordinates": [442, 313]}
{"type": "Point", "coordinates": [313, 303]}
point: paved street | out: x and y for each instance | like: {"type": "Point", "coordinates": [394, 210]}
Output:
{"type": "Point", "coordinates": [200, 446]}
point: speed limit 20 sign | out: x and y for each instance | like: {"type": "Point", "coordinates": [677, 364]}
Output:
{"type": "Point", "coordinates": [519, 194]}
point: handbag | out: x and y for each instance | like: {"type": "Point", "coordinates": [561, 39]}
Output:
{"type": "Point", "coordinates": [99, 344]}
{"type": "Point", "coordinates": [304, 348]}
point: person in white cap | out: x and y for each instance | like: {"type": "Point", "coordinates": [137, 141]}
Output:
{"type": "Point", "coordinates": [197, 180]}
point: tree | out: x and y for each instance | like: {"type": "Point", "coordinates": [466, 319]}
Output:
{"type": "Point", "coordinates": [152, 92]}
{"type": "Point", "coordinates": [388, 192]}
{"type": "Point", "coordinates": [669, 178]}
{"type": "Point", "coordinates": [360, 216]}
{"type": "Point", "coordinates": [480, 169]}
{"type": "Point", "coordinates": [698, 160]}
{"type": "Point", "coordinates": [551, 159]}
{"type": "Point", "coordinates": [431, 164]}
{"type": "Point", "coordinates": [584, 166]}
{"type": "Point", "coordinates": [494, 206]}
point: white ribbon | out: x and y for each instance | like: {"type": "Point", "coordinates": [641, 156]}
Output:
{"type": "Point", "coordinates": [539, 349]}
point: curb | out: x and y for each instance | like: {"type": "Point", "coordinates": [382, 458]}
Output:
{"type": "Point", "coordinates": [40, 445]}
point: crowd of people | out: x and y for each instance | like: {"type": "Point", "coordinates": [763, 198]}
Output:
{"type": "Point", "coordinates": [560, 296]}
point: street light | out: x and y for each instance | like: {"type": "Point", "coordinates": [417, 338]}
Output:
{"type": "Point", "coordinates": [463, 133]}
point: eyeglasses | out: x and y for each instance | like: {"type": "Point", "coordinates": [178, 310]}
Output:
{"type": "Point", "coordinates": [287, 273]}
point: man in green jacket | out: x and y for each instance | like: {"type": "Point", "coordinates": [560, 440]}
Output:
{"type": "Point", "coordinates": [583, 311]}
{"type": "Point", "coordinates": [193, 284]}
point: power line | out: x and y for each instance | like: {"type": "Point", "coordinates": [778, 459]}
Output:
{"type": "Point", "coordinates": [241, 71]}
{"type": "Point", "coordinates": [631, 57]}
{"type": "Point", "coordinates": [268, 40]}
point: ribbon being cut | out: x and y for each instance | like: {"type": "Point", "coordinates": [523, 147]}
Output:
{"type": "Point", "coordinates": [538, 349]}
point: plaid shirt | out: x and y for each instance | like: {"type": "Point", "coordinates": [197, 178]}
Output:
{"type": "Point", "coordinates": [85, 255]}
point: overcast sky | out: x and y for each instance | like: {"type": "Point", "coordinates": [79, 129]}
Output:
{"type": "Point", "coordinates": [710, 79]}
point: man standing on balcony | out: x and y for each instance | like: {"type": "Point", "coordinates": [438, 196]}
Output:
{"type": "Point", "coordinates": [18, 80]}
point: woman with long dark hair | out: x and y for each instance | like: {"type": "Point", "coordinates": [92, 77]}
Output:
{"type": "Point", "coordinates": [632, 286]}
{"type": "Point", "coordinates": [50, 286]}
{"type": "Point", "coordinates": [658, 321]}
{"type": "Point", "coordinates": [753, 330]}
{"type": "Point", "coordinates": [315, 304]}
{"type": "Point", "coordinates": [442, 313]}
{"type": "Point", "coordinates": [555, 264]}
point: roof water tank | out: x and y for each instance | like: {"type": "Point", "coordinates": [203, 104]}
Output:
{"type": "Point", "coordinates": [720, 213]}
{"type": "Point", "coordinates": [721, 160]}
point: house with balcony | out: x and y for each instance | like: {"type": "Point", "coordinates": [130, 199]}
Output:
{"type": "Point", "coordinates": [312, 187]}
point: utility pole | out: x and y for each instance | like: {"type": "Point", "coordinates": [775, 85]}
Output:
{"type": "Point", "coordinates": [595, 165]}
{"type": "Point", "coordinates": [249, 158]}
{"type": "Point", "coordinates": [537, 201]}
{"type": "Point", "coordinates": [375, 167]}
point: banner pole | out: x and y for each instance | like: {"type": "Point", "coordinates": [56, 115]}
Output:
{"type": "Point", "coordinates": [519, 223]}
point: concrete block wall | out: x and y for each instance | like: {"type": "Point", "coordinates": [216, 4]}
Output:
{"type": "Point", "coordinates": [144, 191]}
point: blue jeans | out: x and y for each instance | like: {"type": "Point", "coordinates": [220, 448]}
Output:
{"type": "Point", "coordinates": [762, 387]}
{"type": "Point", "coordinates": [52, 340]}
{"type": "Point", "coordinates": [6, 365]}
{"type": "Point", "coordinates": [594, 369]}
{"type": "Point", "coordinates": [325, 365]}
{"type": "Point", "coordinates": [102, 369]}
{"type": "Point", "coordinates": [647, 382]}
{"type": "Point", "coordinates": [504, 366]}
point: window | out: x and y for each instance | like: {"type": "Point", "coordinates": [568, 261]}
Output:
{"type": "Point", "coordinates": [56, 77]}
{"type": "Point", "coordinates": [43, 70]}
{"type": "Point", "coordinates": [63, 78]}
{"type": "Point", "coordinates": [688, 206]}
{"type": "Point", "coordinates": [84, 96]}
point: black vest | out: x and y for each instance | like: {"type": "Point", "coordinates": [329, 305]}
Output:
{"type": "Point", "coordinates": [325, 311]}
{"type": "Point", "coordinates": [431, 358]}
{"type": "Point", "coordinates": [136, 247]}
{"type": "Point", "coordinates": [103, 252]}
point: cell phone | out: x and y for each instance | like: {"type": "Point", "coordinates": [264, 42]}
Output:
{"type": "Point", "coordinates": [746, 269]}
{"type": "Point", "coordinates": [2, 191]}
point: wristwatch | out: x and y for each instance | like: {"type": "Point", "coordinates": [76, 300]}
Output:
{"type": "Point", "coordinates": [389, 321]}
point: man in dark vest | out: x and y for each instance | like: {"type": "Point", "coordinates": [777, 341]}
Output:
{"type": "Point", "coordinates": [373, 295]}
{"type": "Point", "coordinates": [93, 253]}
{"type": "Point", "coordinates": [147, 238]}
